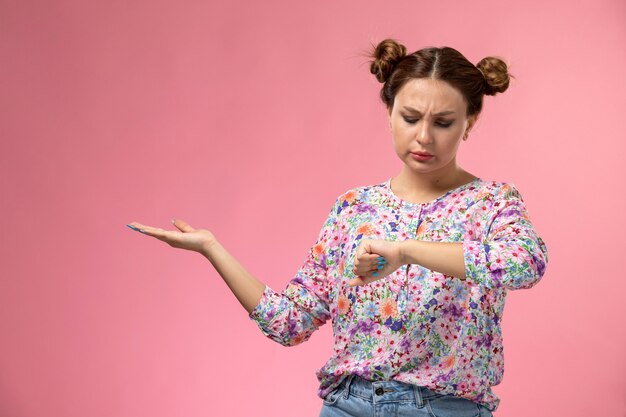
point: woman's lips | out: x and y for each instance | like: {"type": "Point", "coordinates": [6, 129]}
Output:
{"type": "Point", "coordinates": [421, 157]}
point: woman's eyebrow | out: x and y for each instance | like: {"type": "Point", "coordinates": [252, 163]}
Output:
{"type": "Point", "coordinates": [443, 113]}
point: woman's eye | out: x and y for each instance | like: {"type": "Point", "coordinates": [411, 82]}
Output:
{"type": "Point", "coordinates": [441, 124]}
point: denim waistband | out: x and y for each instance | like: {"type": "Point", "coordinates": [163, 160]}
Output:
{"type": "Point", "coordinates": [386, 391]}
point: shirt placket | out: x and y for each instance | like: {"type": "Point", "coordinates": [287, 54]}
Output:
{"type": "Point", "coordinates": [403, 295]}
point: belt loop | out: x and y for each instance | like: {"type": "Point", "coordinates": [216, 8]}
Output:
{"type": "Point", "coordinates": [418, 396]}
{"type": "Point", "coordinates": [346, 392]}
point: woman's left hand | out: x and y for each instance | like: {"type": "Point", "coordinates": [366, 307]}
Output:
{"type": "Point", "coordinates": [375, 259]}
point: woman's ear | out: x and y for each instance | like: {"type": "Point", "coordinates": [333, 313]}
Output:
{"type": "Point", "coordinates": [472, 120]}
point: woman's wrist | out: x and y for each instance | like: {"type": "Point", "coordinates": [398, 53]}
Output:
{"type": "Point", "coordinates": [408, 251]}
{"type": "Point", "coordinates": [208, 247]}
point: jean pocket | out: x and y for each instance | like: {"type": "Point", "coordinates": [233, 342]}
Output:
{"type": "Point", "coordinates": [332, 397]}
{"type": "Point", "coordinates": [484, 411]}
{"type": "Point", "coordinates": [450, 406]}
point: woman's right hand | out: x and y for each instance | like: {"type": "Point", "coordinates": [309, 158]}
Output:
{"type": "Point", "coordinates": [198, 240]}
{"type": "Point", "coordinates": [244, 285]}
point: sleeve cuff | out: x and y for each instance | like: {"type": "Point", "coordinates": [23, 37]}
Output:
{"type": "Point", "coordinates": [475, 256]}
{"type": "Point", "coordinates": [266, 310]}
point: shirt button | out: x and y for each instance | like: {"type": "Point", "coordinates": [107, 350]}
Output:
{"type": "Point", "coordinates": [379, 391]}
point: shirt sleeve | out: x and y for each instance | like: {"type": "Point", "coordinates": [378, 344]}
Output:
{"type": "Point", "coordinates": [512, 254]}
{"type": "Point", "coordinates": [290, 317]}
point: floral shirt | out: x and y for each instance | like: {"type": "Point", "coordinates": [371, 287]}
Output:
{"type": "Point", "coordinates": [415, 325]}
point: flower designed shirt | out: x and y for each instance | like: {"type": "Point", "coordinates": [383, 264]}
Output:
{"type": "Point", "coordinates": [415, 325]}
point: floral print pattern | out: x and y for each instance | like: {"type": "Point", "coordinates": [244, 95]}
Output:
{"type": "Point", "coordinates": [415, 325]}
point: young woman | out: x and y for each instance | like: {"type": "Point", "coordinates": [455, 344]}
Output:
{"type": "Point", "coordinates": [413, 271]}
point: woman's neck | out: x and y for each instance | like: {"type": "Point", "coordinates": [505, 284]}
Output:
{"type": "Point", "coordinates": [413, 186]}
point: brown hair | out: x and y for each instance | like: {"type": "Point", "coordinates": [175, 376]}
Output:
{"type": "Point", "coordinates": [392, 66]}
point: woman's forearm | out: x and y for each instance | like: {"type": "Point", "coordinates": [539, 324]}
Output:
{"type": "Point", "coordinates": [444, 257]}
{"type": "Point", "coordinates": [246, 288]}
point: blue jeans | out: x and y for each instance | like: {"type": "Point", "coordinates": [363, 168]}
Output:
{"type": "Point", "coordinates": [356, 396]}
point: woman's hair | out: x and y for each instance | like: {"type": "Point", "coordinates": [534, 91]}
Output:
{"type": "Point", "coordinates": [392, 66]}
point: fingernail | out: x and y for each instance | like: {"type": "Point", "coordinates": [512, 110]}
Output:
{"type": "Point", "coordinates": [375, 274]}
{"type": "Point", "coordinates": [132, 227]}
{"type": "Point", "coordinates": [173, 220]}
{"type": "Point", "coordinates": [381, 266]}
{"type": "Point", "coordinates": [142, 231]}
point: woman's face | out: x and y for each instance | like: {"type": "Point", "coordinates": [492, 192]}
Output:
{"type": "Point", "coordinates": [418, 126]}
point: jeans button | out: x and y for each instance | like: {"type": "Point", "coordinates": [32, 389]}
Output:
{"type": "Point", "coordinates": [379, 391]}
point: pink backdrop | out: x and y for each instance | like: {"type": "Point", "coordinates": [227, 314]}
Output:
{"type": "Point", "coordinates": [249, 119]}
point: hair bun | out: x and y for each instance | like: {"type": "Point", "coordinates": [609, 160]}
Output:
{"type": "Point", "coordinates": [385, 57]}
{"type": "Point", "coordinates": [496, 74]}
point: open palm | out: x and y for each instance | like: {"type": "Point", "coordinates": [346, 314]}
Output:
{"type": "Point", "coordinates": [186, 237]}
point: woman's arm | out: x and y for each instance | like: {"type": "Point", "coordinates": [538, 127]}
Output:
{"type": "Point", "coordinates": [288, 317]}
{"type": "Point", "coordinates": [246, 288]}
{"type": "Point", "coordinates": [511, 254]}
{"type": "Point", "coordinates": [375, 259]}
{"type": "Point", "coordinates": [444, 257]}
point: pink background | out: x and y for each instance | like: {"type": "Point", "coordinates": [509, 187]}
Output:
{"type": "Point", "coordinates": [248, 120]}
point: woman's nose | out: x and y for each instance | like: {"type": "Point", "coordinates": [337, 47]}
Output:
{"type": "Point", "coordinates": [423, 133]}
